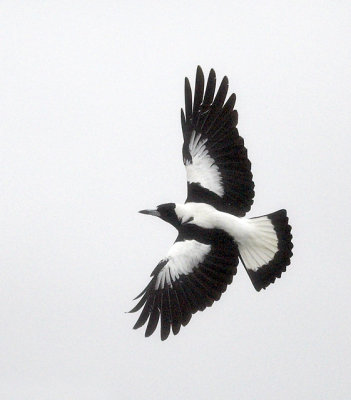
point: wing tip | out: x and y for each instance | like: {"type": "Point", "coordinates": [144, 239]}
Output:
{"type": "Point", "coordinates": [200, 72]}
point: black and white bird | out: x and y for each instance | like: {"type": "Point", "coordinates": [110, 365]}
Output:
{"type": "Point", "coordinates": [212, 231]}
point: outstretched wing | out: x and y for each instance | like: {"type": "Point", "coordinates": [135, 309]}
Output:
{"type": "Point", "coordinates": [190, 278]}
{"type": "Point", "coordinates": [218, 170]}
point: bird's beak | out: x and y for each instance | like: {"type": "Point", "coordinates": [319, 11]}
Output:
{"type": "Point", "coordinates": [151, 212]}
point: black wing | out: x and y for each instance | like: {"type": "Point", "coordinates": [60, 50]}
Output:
{"type": "Point", "coordinates": [189, 279]}
{"type": "Point", "coordinates": [214, 155]}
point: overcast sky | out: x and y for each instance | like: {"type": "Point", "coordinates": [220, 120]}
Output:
{"type": "Point", "coordinates": [90, 134]}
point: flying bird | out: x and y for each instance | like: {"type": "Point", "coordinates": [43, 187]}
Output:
{"type": "Point", "coordinates": [213, 234]}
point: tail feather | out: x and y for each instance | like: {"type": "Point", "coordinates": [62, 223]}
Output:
{"type": "Point", "coordinates": [267, 252]}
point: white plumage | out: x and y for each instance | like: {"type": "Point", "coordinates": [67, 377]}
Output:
{"type": "Point", "coordinates": [203, 169]}
{"type": "Point", "coordinates": [182, 259]}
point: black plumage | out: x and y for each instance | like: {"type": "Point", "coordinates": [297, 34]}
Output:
{"type": "Point", "coordinates": [174, 304]}
{"type": "Point", "coordinates": [216, 123]}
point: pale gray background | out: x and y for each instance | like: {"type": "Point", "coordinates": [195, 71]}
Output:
{"type": "Point", "coordinates": [90, 133]}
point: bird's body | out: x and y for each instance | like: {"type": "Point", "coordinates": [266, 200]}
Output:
{"type": "Point", "coordinates": [213, 233]}
{"type": "Point", "coordinates": [205, 216]}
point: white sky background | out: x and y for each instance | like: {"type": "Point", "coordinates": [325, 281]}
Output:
{"type": "Point", "coordinates": [90, 134]}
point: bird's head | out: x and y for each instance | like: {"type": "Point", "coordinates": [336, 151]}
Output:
{"type": "Point", "coordinates": [165, 212]}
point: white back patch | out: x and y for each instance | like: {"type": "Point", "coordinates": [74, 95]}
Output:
{"type": "Point", "coordinates": [183, 258]}
{"type": "Point", "coordinates": [203, 169]}
{"type": "Point", "coordinates": [200, 214]}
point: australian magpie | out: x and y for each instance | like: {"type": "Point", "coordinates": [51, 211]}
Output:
{"type": "Point", "coordinates": [212, 231]}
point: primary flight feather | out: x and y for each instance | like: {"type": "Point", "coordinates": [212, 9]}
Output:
{"type": "Point", "coordinates": [212, 231]}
